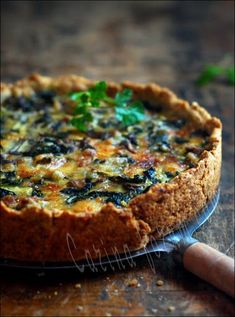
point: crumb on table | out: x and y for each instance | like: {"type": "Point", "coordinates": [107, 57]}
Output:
{"type": "Point", "coordinates": [77, 285]}
{"type": "Point", "coordinates": [171, 308]}
{"type": "Point", "coordinates": [79, 307]}
{"type": "Point", "coordinates": [133, 282]}
{"type": "Point", "coordinates": [160, 283]}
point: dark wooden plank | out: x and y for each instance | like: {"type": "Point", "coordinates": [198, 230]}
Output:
{"type": "Point", "coordinates": [110, 293]}
{"type": "Point", "coordinates": [162, 41]}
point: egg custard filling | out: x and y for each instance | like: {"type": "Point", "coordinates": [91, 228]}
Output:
{"type": "Point", "coordinates": [47, 161]}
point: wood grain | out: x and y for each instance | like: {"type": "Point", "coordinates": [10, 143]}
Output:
{"type": "Point", "coordinates": [167, 42]}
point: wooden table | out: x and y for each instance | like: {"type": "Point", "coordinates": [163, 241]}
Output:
{"type": "Point", "coordinates": [167, 42]}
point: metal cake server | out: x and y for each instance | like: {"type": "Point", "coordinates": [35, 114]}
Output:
{"type": "Point", "coordinates": [202, 260]}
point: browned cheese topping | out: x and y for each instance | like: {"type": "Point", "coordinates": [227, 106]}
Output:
{"type": "Point", "coordinates": [47, 162]}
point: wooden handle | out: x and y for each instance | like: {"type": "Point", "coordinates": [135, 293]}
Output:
{"type": "Point", "coordinates": [210, 265]}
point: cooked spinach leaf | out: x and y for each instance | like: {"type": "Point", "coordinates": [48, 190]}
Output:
{"type": "Point", "coordinates": [4, 192]}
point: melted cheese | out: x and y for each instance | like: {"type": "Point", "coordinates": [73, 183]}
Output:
{"type": "Point", "coordinates": [61, 168]}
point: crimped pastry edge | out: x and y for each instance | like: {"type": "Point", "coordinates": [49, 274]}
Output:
{"type": "Point", "coordinates": [40, 235]}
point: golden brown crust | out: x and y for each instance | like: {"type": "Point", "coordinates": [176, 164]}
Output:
{"type": "Point", "coordinates": [39, 235]}
{"type": "Point", "coordinates": [36, 235]}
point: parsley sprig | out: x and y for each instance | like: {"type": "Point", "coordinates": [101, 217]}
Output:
{"type": "Point", "coordinates": [127, 112]}
{"type": "Point", "coordinates": [211, 72]}
{"type": "Point", "coordinates": [84, 101]}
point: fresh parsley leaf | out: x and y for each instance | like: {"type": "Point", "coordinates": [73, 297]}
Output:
{"type": "Point", "coordinates": [86, 100]}
{"type": "Point", "coordinates": [80, 109]}
{"type": "Point", "coordinates": [76, 96]}
{"type": "Point", "coordinates": [81, 122]}
{"type": "Point", "coordinates": [122, 98]}
{"type": "Point", "coordinates": [138, 110]}
{"type": "Point", "coordinates": [230, 73]}
{"type": "Point", "coordinates": [209, 73]}
{"type": "Point", "coordinates": [126, 112]}
{"type": "Point", "coordinates": [131, 114]}
{"type": "Point", "coordinates": [97, 93]}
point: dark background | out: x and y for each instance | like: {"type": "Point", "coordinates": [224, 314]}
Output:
{"type": "Point", "coordinates": [167, 42]}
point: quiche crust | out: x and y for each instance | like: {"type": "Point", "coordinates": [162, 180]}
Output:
{"type": "Point", "coordinates": [36, 234]}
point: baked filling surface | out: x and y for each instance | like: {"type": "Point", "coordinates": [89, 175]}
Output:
{"type": "Point", "coordinates": [111, 165]}
{"type": "Point", "coordinates": [47, 162]}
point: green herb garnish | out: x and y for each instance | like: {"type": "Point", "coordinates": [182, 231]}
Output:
{"type": "Point", "coordinates": [86, 100]}
{"type": "Point", "coordinates": [230, 72]}
{"type": "Point", "coordinates": [211, 72]}
{"type": "Point", "coordinates": [126, 111]}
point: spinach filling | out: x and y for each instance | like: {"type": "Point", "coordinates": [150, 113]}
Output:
{"type": "Point", "coordinates": [4, 192]}
{"type": "Point", "coordinates": [52, 134]}
{"type": "Point", "coordinates": [133, 186]}
{"type": "Point", "coordinates": [37, 102]}
{"type": "Point", "coordinates": [44, 145]}
{"type": "Point", "coordinates": [9, 178]}
{"type": "Point", "coordinates": [118, 198]}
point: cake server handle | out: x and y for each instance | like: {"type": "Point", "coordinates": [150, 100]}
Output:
{"type": "Point", "coordinates": [207, 263]}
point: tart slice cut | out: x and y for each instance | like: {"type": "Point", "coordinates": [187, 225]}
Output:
{"type": "Point", "coordinates": [95, 168]}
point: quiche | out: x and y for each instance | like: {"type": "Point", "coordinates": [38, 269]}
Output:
{"type": "Point", "coordinates": [79, 181]}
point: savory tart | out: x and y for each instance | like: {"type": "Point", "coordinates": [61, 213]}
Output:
{"type": "Point", "coordinates": [90, 169]}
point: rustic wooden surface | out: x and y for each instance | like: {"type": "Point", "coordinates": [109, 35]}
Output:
{"type": "Point", "coordinates": [162, 41]}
